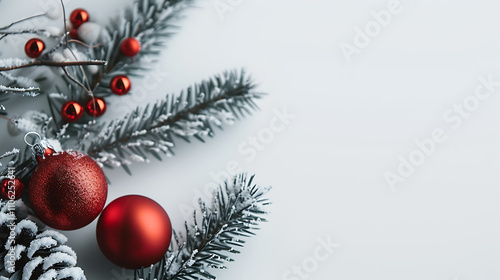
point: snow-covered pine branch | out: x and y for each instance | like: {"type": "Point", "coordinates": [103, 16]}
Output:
{"type": "Point", "coordinates": [152, 130]}
{"type": "Point", "coordinates": [13, 62]}
{"type": "Point", "coordinates": [30, 91]}
{"type": "Point", "coordinates": [150, 22]}
{"type": "Point", "coordinates": [238, 208]}
{"type": "Point", "coordinates": [19, 81]}
{"type": "Point", "coordinates": [12, 152]}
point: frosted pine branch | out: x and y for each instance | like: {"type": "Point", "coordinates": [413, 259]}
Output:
{"type": "Point", "coordinates": [30, 91]}
{"type": "Point", "coordinates": [32, 121]}
{"type": "Point", "coordinates": [12, 152]}
{"type": "Point", "coordinates": [20, 81]}
{"type": "Point", "coordinates": [237, 210]}
{"type": "Point", "coordinates": [150, 22]}
{"type": "Point", "coordinates": [12, 62]}
{"type": "Point", "coordinates": [152, 130]}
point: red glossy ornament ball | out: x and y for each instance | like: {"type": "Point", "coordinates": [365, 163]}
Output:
{"type": "Point", "coordinates": [120, 85]}
{"type": "Point", "coordinates": [34, 47]}
{"type": "Point", "coordinates": [68, 190]}
{"type": "Point", "coordinates": [12, 189]}
{"type": "Point", "coordinates": [96, 107]}
{"type": "Point", "coordinates": [130, 46]}
{"type": "Point", "coordinates": [134, 231]}
{"type": "Point", "coordinates": [78, 17]}
{"type": "Point", "coordinates": [71, 111]}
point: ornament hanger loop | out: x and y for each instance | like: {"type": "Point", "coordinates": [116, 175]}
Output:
{"type": "Point", "coordinates": [40, 148]}
{"type": "Point", "coordinates": [29, 133]}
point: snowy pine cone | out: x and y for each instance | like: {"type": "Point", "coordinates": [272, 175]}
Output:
{"type": "Point", "coordinates": [30, 253]}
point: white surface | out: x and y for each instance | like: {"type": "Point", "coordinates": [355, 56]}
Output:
{"type": "Point", "coordinates": [352, 122]}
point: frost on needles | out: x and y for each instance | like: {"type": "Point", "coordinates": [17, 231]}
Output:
{"type": "Point", "coordinates": [237, 209]}
{"type": "Point", "coordinates": [152, 130]}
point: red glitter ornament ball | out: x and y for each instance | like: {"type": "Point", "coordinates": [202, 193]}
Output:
{"type": "Point", "coordinates": [71, 111]}
{"type": "Point", "coordinates": [130, 46]}
{"type": "Point", "coordinates": [34, 47]}
{"type": "Point", "coordinates": [134, 231]}
{"type": "Point", "coordinates": [120, 85]}
{"type": "Point", "coordinates": [96, 107]}
{"type": "Point", "coordinates": [78, 16]}
{"type": "Point", "coordinates": [12, 189]}
{"type": "Point", "coordinates": [68, 190]}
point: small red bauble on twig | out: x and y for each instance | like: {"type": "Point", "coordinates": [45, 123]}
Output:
{"type": "Point", "coordinates": [130, 46]}
{"type": "Point", "coordinates": [78, 16]}
{"type": "Point", "coordinates": [134, 231]}
{"type": "Point", "coordinates": [73, 34]}
{"type": "Point", "coordinates": [12, 189]}
{"type": "Point", "coordinates": [34, 47]}
{"type": "Point", "coordinates": [96, 107]}
{"type": "Point", "coordinates": [71, 111]}
{"type": "Point", "coordinates": [120, 85]}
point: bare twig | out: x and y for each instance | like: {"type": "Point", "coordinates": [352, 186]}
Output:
{"type": "Point", "coordinates": [64, 19]}
{"type": "Point", "coordinates": [76, 81]}
{"type": "Point", "coordinates": [54, 64]}
{"type": "Point", "coordinates": [21, 20]}
{"type": "Point", "coordinates": [8, 119]}
{"type": "Point", "coordinates": [40, 32]}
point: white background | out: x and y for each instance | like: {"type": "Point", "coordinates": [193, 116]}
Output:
{"type": "Point", "coordinates": [353, 121]}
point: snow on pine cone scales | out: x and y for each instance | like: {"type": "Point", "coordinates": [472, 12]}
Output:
{"type": "Point", "coordinates": [37, 253]}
